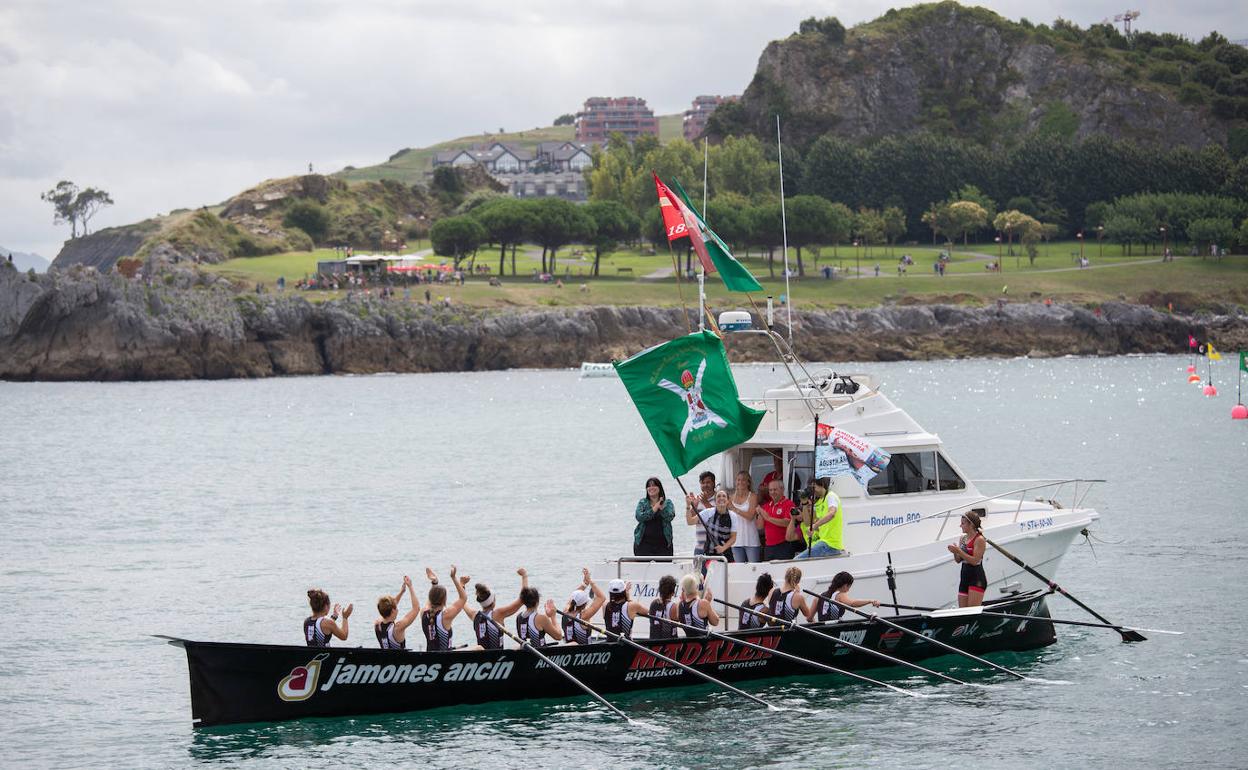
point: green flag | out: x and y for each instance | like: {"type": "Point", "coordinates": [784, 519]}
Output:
{"type": "Point", "coordinates": [1243, 360]}
{"type": "Point", "coordinates": [685, 394]}
{"type": "Point", "coordinates": [736, 276]}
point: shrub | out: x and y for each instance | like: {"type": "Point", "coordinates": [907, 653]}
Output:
{"type": "Point", "coordinates": [1165, 73]}
{"type": "Point", "coordinates": [1191, 93]}
{"type": "Point", "coordinates": [309, 217]}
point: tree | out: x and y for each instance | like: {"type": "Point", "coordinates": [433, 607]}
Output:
{"type": "Point", "coordinates": [966, 217]}
{"type": "Point", "coordinates": [556, 223]}
{"type": "Point", "coordinates": [766, 232]}
{"type": "Point", "coordinates": [456, 237]}
{"type": "Point", "coordinates": [894, 224]}
{"type": "Point", "coordinates": [506, 221]}
{"type": "Point", "coordinates": [1011, 224]}
{"type": "Point", "coordinates": [740, 165]}
{"type": "Point", "coordinates": [566, 119]}
{"type": "Point", "coordinates": [1029, 232]}
{"type": "Point", "coordinates": [88, 203]}
{"type": "Point", "coordinates": [612, 223]}
{"type": "Point", "coordinates": [1210, 231]}
{"type": "Point", "coordinates": [309, 217]}
{"type": "Point", "coordinates": [62, 198]}
{"type": "Point", "coordinates": [812, 221]}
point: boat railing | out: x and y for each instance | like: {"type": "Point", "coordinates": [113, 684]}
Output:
{"type": "Point", "coordinates": [1079, 492]}
{"type": "Point", "coordinates": [693, 559]}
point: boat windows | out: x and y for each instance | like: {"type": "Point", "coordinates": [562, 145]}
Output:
{"type": "Point", "coordinates": [907, 473]}
{"type": "Point", "coordinates": [801, 471]}
{"type": "Point", "coordinates": [948, 477]}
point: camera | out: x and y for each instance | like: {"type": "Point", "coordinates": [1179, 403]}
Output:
{"type": "Point", "coordinates": [803, 494]}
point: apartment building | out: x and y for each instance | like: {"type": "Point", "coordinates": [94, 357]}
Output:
{"type": "Point", "coordinates": [697, 115]}
{"type": "Point", "coordinates": [604, 115]}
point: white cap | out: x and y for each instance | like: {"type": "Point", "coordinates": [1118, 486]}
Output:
{"type": "Point", "coordinates": [488, 600]}
{"type": "Point", "coordinates": [616, 586]}
{"type": "Point", "coordinates": [580, 598]}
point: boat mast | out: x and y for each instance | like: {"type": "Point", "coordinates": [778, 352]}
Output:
{"type": "Point", "coordinates": [784, 229]}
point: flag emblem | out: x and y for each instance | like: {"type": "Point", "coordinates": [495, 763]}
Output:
{"type": "Point", "coordinates": [691, 393]}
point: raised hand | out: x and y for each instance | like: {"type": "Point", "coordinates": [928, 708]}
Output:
{"type": "Point", "coordinates": [429, 574]}
{"type": "Point", "coordinates": [347, 612]}
{"type": "Point", "coordinates": [337, 609]}
{"type": "Point", "coordinates": [453, 570]}
{"type": "Point", "coordinates": [522, 572]}
{"type": "Point", "coordinates": [463, 580]}
{"type": "Point", "coordinates": [585, 575]}
{"type": "Point", "coordinates": [550, 608]}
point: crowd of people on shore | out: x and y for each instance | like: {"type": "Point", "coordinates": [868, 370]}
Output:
{"type": "Point", "coordinates": [685, 605]}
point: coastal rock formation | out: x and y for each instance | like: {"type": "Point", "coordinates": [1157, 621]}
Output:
{"type": "Point", "coordinates": [953, 68]}
{"type": "Point", "coordinates": [85, 325]}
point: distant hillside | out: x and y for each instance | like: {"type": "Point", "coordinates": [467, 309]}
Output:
{"type": "Point", "coordinates": [412, 166]}
{"type": "Point", "coordinates": [23, 261]}
{"type": "Point", "coordinates": [963, 71]}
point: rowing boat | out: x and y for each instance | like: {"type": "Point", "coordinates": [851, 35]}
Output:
{"type": "Point", "coordinates": [237, 683]}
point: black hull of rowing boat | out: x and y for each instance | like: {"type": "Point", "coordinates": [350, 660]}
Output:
{"type": "Point", "coordinates": [233, 683]}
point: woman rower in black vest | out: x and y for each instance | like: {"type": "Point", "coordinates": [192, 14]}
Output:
{"type": "Point", "coordinates": [489, 636]}
{"type": "Point", "coordinates": [436, 620]}
{"type": "Point", "coordinates": [970, 553]}
{"type": "Point", "coordinates": [788, 602]}
{"type": "Point", "coordinates": [620, 611]}
{"type": "Point", "coordinates": [758, 603]}
{"type": "Point", "coordinates": [391, 630]}
{"type": "Point", "coordinates": [319, 629]}
{"type": "Point", "coordinates": [695, 608]}
{"type": "Point", "coordinates": [826, 608]}
{"type": "Point", "coordinates": [532, 626]}
{"type": "Point", "coordinates": [583, 605]}
{"type": "Point", "coordinates": [661, 609]}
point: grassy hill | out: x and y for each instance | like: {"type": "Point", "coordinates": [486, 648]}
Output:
{"type": "Point", "coordinates": [410, 166]}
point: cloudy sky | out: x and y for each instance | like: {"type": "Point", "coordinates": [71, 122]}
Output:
{"type": "Point", "coordinates": [168, 104]}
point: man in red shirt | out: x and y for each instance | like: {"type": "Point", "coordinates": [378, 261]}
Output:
{"type": "Point", "coordinates": [776, 514]}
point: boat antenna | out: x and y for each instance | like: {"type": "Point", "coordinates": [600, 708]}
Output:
{"type": "Point", "coordinates": [784, 230]}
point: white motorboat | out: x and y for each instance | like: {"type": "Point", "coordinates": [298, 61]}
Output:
{"type": "Point", "coordinates": [594, 369]}
{"type": "Point", "coordinates": [898, 527]}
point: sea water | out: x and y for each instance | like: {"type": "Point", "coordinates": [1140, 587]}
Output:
{"type": "Point", "coordinates": [206, 509]}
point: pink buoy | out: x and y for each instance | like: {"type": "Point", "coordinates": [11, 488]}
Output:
{"type": "Point", "coordinates": [1210, 390]}
{"type": "Point", "coordinates": [1239, 412]}
{"type": "Point", "coordinates": [1191, 369]}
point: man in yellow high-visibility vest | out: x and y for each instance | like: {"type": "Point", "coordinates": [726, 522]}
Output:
{"type": "Point", "coordinates": [829, 522]}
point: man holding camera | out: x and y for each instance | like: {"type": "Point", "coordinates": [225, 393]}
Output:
{"type": "Point", "coordinates": [824, 507]}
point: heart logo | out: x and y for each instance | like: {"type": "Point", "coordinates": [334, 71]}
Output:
{"type": "Point", "coordinates": [300, 684]}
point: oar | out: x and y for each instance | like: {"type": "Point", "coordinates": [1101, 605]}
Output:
{"type": "Point", "coordinates": [795, 626]}
{"type": "Point", "coordinates": [903, 629]}
{"type": "Point", "coordinates": [1128, 635]}
{"type": "Point", "coordinates": [674, 662]}
{"type": "Point", "coordinates": [789, 656]}
{"type": "Point", "coordinates": [560, 669]}
{"type": "Point", "coordinates": [1074, 622]}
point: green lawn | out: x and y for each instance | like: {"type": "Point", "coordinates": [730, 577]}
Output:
{"type": "Point", "coordinates": [1204, 280]}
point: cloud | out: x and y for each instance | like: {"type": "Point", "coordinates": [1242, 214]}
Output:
{"type": "Point", "coordinates": [171, 105]}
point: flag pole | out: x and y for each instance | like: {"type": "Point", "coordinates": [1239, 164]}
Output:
{"type": "Point", "coordinates": [784, 229]}
{"type": "Point", "coordinates": [701, 267]}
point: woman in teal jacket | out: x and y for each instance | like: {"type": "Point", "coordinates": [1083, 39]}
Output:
{"type": "Point", "coordinates": [653, 535]}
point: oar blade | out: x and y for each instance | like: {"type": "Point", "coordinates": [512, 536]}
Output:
{"type": "Point", "coordinates": [1132, 636]}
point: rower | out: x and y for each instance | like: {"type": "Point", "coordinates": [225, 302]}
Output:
{"type": "Point", "coordinates": [620, 611]}
{"type": "Point", "coordinates": [489, 637]}
{"type": "Point", "coordinates": [695, 608]}
{"type": "Point", "coordinates": [969, 551]}
{"type": "Point", "coordinates": [436, 620]}
{"type": "Point", "coordinates": [318, 629]}
{"type": "Point", "coordinates": [826, 608]}
{"type": "Point", "coordinates": [583, 606]}
{"type": "Point", "coordinates": [758, 603]}
{"type": "Point", "coordinates": [787, 602]}
{"type": "Point", "coordinates": [661, 609]}
{"type": "Point", "coordinates": [533, 626]}
{"type": "Point", "coordinates": [390, 629]}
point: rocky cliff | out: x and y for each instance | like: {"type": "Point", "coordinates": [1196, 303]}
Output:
{"type": "Point", "coordinates": [84, 325]}
{"type": "Point", "coordinates": [954, 69]}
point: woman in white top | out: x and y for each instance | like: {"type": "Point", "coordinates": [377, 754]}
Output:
{"type": "Point", "coordinates": [743, 505]}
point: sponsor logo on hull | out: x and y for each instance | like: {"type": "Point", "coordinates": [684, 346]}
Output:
{"type": "Point", "coordinates": [721, 653]}
{"type": "Point", "coordinates": [300, 683]}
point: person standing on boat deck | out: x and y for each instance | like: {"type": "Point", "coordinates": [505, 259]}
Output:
{"type": "Point", "coordinates": [533, 626]}
{"type": "Point", "coordinates": [720, 527]}
{"type": "Point", "coordinates": [826, 609]}
{"type": "Point", "coordinates": [970, 552]}
{"type": "Point", "coordinates": [620, 611]}
{"type": "Point", "coordinates": [391, 630]}
{"type": "Point", "coordinates": [319, 629]}
{"type": "Point", "coordinates": [694, 503]}
{"type": "Point", "coordinates": [743, 507]}
{"type": "Point", "coordinates": [758, 602]}
{"type": "Point", "coordinates": [489, 637]}
{"type": "Point", "coordinates": [436, 620]}
{"type": "Point", "coordinates": [775, 474]}
{"type": "Point", "coordinates": [785, 603]}
{"type": "Point", "coordinates": [661, 608]}
{"type": "Point", "coordinates": [653, 534]}
{"type": "Point", "coordinates": [829, 524]}
{"type": "Point", "coordinates": [695, 608]}
{"type": "Point", "coordinates": [776, 516]}
{"type": "Point", "coordinates": [584, 606]}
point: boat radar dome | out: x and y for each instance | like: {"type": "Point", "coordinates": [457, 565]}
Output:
{"type": "Point", "coordinates": [735, 321]}
{"type": "Point", "coordinates": [1239, 412]}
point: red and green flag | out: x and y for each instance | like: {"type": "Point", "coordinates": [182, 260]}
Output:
{"type": "Point", "coordinates": [681, 219]}
{"type": "Point", "coordinates": [1243, 360]}
{"type": "Point", "coordinates": [687, 397]}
